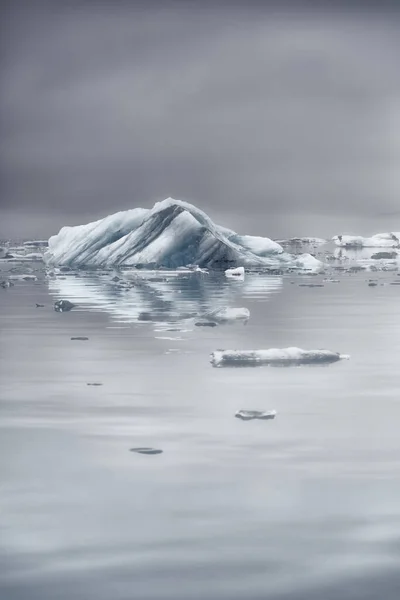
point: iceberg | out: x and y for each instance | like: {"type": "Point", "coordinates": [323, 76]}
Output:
{"type": "Point", "coordinates": [273, 356]}
{"type": "Point", "coordinates": [172, 234]}
{"type": "Point", "coordinates": [379, 240]}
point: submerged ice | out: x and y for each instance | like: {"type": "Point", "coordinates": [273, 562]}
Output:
{"type": "Point", "coordinates": [171, 234]}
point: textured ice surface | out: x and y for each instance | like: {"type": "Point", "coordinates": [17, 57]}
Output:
{"type": "Point", "coordinates": [302, 241]}
{"type": "Point", "coordinates": [228, 314]}
{"type": "Point", "coordinates": [249, 415]}
{"type": "Point", "coordinates": [237, 273]}
{"type": "Point", "coordinates": [172, 234]}
{"type": "Point", "coordinates": [273, 356]}
{"type": "Point", "coordinates": [379, 240]}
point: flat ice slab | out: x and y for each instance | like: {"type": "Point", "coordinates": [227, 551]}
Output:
{"type": "Point", "coordinates": [250, 415]}
{"type": "Point", "coordinates": [273, 356]}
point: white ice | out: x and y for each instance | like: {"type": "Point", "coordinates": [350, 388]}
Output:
{"type": "Point", "coordinates": [237, 273]}
{"type": "Point", "coordinates": [273, 356]}
{"type": "Point", "coordinates": [171, 234]}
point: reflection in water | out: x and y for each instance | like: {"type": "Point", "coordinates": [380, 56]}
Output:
{"type": "Point", "coordinates": [159, 297]}
{"type": "Point", "coordinates": [302, 507]}
{"type": "Point", "coordinates": [368, 256]}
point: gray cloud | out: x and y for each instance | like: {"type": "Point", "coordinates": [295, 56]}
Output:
{"type": "Point", "coordinates": [273, 121]}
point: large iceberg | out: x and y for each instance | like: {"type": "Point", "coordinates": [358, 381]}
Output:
{"type": "Point", "coordinates": [379, 240]}
{"type": "Point", "coordinates": [171, 234]}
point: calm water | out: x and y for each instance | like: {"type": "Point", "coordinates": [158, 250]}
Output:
{"type": "Point", "coordinates": [303, 507]}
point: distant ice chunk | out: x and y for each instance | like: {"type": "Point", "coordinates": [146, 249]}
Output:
{"type": "Point", "coordinates": [23, 277]}
{"type": "Point", "coordinates": [36, 243]}
{"type": "Point", "coordinates": [379, 240]}
{"type": "Point", "coordinates": [237, 273]}
{"type": "Point", "coordinates": [228, 315]}
{"type": "Point", "coordinates": [249, 415]}
{"type": "Point", "coordinates": [273, 356]}
{"type": "Point", "coordinates": [149, 451]}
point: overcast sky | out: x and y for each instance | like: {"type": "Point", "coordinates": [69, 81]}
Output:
{"type": "Point", "coordinates": [275, 121]}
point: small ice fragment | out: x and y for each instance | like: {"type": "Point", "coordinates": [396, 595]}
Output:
{"type": "Point", "coordinates": [146, 450]}
{"type": "Point", "coordinates": [63, 305]}
{"type": "Point", "coordinates": [249, 415]}
{"type": "Point", "coordinates": [237, 273]}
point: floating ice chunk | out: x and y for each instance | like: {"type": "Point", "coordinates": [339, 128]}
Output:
{"type": "Point", "coordinates": [273, 356]}
{"type": "Point", "coordinates": [385, 255]}
{"type": "Point", "coordinates": [23, 277]}
{"type": "Point", "coordinates": [63, 305]}
{"type": "Point", "coordinates": [306, 263]}
{"type": "Point", "coordinates": [228, 314]}
{"type": "Point", "coordinates": [249, 415]}
{"type": "Point", "coordinates": [237, 273]}
{"type": "Point", "coordinates": [146, 450]}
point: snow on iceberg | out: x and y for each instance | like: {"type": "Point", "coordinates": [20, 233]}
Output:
{"type": "Point", "coordinates": [379, 240]}
{"type": "Point", "coordinates": [171, 234]}
{"type": "Point", "coordinates": [273, 356]}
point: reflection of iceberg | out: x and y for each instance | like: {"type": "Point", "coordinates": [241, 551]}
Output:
{"type": "Point", "coordinates": [172, 234]}
{"type": "Point", "coordinates": [370, 258]}
{"type": "Point", "coordinates": [159, 296]}
{"type": "Point", "coordinates": [273, 356]}
{"type": "Point", "coordinates": [379, 240]}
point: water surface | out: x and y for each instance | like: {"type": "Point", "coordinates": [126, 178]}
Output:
{"type": "Point", "coordinates": [302, 507]}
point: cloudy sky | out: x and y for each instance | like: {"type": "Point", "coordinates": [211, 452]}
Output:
{"type": "Point", "coordinates": [276, 119]}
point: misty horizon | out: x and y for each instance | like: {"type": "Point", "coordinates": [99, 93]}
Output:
{"type": "Point", "coordinates": [277, 120]}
